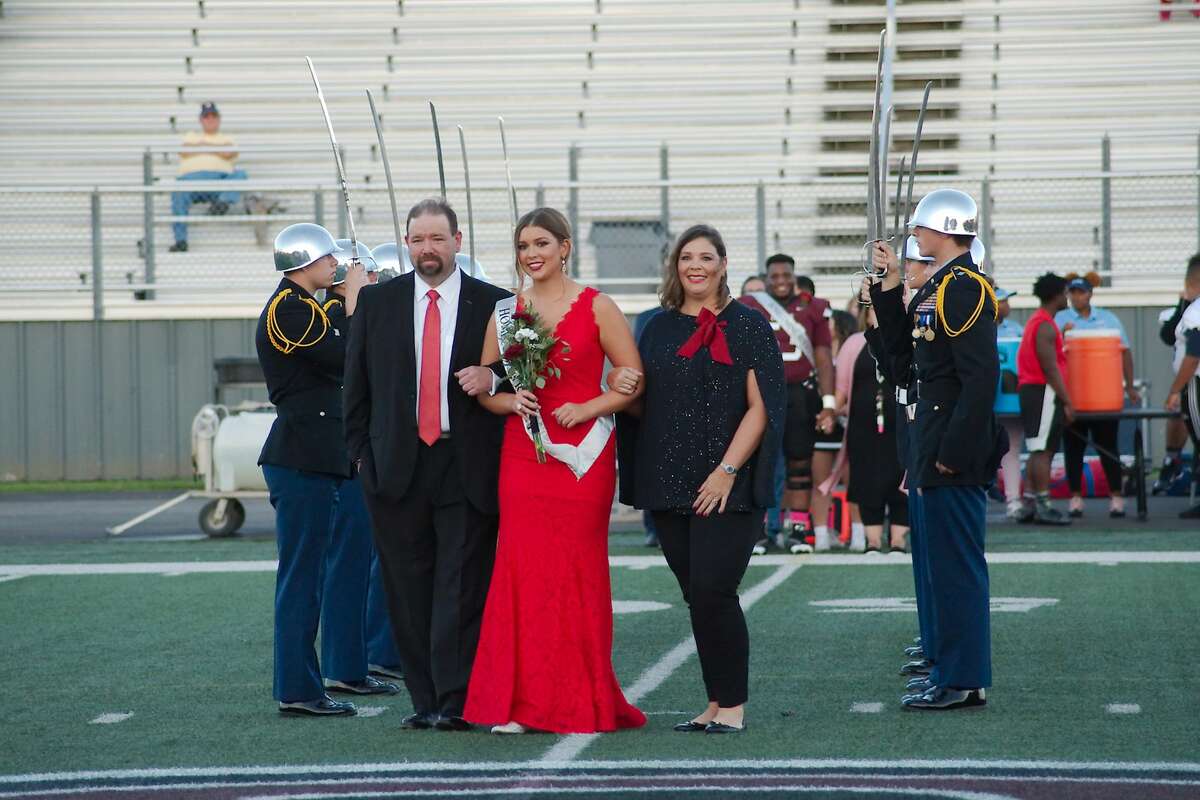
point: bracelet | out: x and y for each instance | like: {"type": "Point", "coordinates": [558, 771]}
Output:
{"type": "Point", "coordinates": [827, 401]}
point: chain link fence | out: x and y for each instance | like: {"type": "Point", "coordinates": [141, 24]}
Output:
{"type": "Point", "coordinates": [1127, 226]}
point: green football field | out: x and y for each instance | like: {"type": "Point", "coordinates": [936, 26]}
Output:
{"type": "Point", "coordinates": [144, 669]}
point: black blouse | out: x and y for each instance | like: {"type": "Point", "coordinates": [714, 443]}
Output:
{"type": "Point", "coordinates": [692, 408]}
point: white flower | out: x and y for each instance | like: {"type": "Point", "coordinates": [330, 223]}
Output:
{"type": "Point", "coordinates": [527, 334]}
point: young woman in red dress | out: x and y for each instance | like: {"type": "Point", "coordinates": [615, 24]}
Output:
{"type": "Point", "coordinates": [545, 652]}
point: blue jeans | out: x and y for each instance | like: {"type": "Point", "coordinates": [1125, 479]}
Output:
{"type": "Point", "coordinates": [182, 201]}
{"type": "Point", "coordinates": [773, 525]}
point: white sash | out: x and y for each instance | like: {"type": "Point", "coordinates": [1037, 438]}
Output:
{"type": "Point", "coordinates": [794, 330]}
{"type": "Point", "coordinates": [579, 459]}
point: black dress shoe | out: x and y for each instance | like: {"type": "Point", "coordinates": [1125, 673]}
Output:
{"type": "Point", "coordinates": [326, 706]}
{"type": "Point", "coordinates": [368, 685]}
{"type": "Point", "coordinates": [916, 651]}
{"type": "Point", "coordinates": [691, 726]}
{"type": "Point", "coordinates": [1116, 513]}
{"type": "Point", "coordinates": [920, 667]}
{"type": "Point", "coordinates": [452, 723]}
{"type": "Point", "coordinates": [386, 672]}
{"type": "Point", "coordinates": [944, 699]}
{"type": "Point", "coordinates": [721, 727]}
{"type": "Point", "coordinates": [920, 685]}
{"type": "Point", "coordinates": [417, 722]}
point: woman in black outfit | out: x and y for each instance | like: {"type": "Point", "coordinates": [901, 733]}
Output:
{"type": "Point", "coordinates": [701, 457]}
{"type": "Point", "coordinates": [871, 445]}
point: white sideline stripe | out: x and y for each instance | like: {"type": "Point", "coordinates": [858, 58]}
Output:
{"type": "Point", "coordinates": [408, 768]}
{"type": "Point", "coordinates": [1123, 708]}
{"type": "Point", "coordinates": [4, 578]}
{"type": "Point", "coordinates": [526, 790]}
{"type": "Point", "coordinates": [866, 708]}
{"type": "Point", "coordinates": [111, 719]}
{"type": "Point", "coordinates": [371, 711]}
{"type": "Point", "coordinates": [11, 571]}
{"type": "Point", "coordinates": [569, 747]}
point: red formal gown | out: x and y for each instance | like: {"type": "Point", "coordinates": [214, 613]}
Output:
{"type": "Point", "coordinates": [545, 650]}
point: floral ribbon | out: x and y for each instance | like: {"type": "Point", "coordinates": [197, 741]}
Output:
{"type": "Point", "coordinates": [709, 333]}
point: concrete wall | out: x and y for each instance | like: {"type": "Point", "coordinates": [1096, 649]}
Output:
{"type": "Point", "coordinates": [115, 399]}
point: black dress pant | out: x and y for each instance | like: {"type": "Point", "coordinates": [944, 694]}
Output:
{"type": "Point", "coordinates": [709, 556]}
{"type": "Point", "coordinates": [1075, 442]}
{"type": "Point", "coordinates": [437, 553]}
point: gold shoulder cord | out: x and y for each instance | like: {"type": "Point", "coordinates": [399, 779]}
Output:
{"type": "Point", "coordinates": [330, 303]}
{"type": "Point", "coordinates": [985, 292]}
{"type": "Point", "coordinates": [279, 339]}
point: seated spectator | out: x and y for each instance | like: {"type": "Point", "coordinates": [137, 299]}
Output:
{"type": "Point", "coordinates": [204, 166]}
{"type": "Point", "coordinates": [1045, 404]}
{"type": "Point", "coordinates": [1082, 315]}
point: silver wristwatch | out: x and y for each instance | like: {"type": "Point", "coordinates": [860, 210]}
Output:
{"type": "Point", "coordinates": [728, 469]}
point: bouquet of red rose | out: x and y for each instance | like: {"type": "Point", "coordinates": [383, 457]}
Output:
{"type": "Point", "coordinates": [526, 343]}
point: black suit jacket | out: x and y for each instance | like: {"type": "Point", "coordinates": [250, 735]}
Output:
{"type": "Point", "coordinates": [381, 392]}
{"type": "Point", "coordinates": [305, 385]}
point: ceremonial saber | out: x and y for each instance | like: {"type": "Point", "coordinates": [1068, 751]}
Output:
{"type": "Point", "coordinates": [912, 165]}
{"type": "Point", "coordinates": [512, 192]}
{"type": "Point", "coordinates": [337, 159]}
{"type": "Point", "coordinates": [387, 168]}
{"type": "Point", "coordinates": [874, 198]}
{"type": "Point", "coordinates": [437, 141]}
{"type": "Point", "coordinates": [462, 145]}
{"type": "Point", "coordinates": [897, 232]}
{"type": "Point", "coordinates": [885, 146]}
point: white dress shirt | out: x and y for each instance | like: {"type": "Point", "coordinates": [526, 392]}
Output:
{"type": "Point", "coordinates": [448, 294]}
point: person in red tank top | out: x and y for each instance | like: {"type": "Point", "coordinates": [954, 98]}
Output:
{"type": "Point", "coordinates": [1042, 388]}
{"type": "Point", "coordinates": [544, 661]}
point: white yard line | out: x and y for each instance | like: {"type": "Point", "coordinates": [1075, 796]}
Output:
{"type": "Point", "coordinates": [111, 719]}
{"type": "Point", "coordinates": [866, 708]}
{"type": "Point", "coordinates": [409, 768]}
{"type": "Point", "coordinates": [4, 578]}
{"type": "Point", "coordinates": [568, 748]}
{"type": "Point", "coordinates": [1123, 708]}
{"type": "Point", "coordinates": [13, 571]}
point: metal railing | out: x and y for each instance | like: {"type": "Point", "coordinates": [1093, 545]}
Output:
{"type": "Point", "coordinates": [1127, 225]}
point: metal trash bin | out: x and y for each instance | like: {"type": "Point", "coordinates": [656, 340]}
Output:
{"type": "Point", "coordinates": [629, 248]}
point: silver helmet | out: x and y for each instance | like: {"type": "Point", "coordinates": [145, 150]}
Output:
{"type": "Point", "coordinates": [947, 211]}
{"type": "Point", "coordinates": [912, 252]}
{"type": "Point", "coordinates": [344, 257]}
{"type": "Point", "coordinates": [387, 257]}
{"type": "Point", "coordinates": [301, 244]}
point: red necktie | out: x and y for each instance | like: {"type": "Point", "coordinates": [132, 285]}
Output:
{"type": "Point", "coordinates": [429, 397]}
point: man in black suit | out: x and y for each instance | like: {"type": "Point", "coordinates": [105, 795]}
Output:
{"type": "Point", "coordinates": [429, 457]}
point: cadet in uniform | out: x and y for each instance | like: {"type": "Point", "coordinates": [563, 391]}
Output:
{"type": "Point", "coordinates": [898, 370]}
{"type": "Point", "coordinates": [950, 330]}
{"type": "Point", "coordinates": [346, 620]}
{"type": "Point", "coordinates": [302, 352]}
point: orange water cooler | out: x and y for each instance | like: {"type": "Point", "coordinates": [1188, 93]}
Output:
{"type": "Point", "coordinates": [1095, 380]}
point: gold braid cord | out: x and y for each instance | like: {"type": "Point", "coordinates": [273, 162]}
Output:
{"type": "Point", "coordinates": [330, 303]}
{"type": "Point", "coordinates": [985, 293]}
{"type": "Point", "coordinates": [279, 339]}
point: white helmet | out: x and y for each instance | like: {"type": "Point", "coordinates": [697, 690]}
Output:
{"type": "Point", "coordinates": [978, 252]}
{"type": "Point", "coordinates": [912, 252]}
{"type": "Point", "coordinates": [947, 211]}
{"type": "Point", "coordinates": [344, 257]}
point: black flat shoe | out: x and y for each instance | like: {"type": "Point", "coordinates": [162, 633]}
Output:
{"type": "Point", "coordinates": [1116, 513]}
{"type": "Point", "coordinates": [721, 727]}
{"type": "Point", "coordinates": [324, 706]}
{"type": "Point", "coordinates": [417, 722]}
{"type": "Point", "coordinates": [691, 727]}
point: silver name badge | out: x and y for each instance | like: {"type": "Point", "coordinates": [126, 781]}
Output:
{"type": "Point", "coordinates": [902, 396]}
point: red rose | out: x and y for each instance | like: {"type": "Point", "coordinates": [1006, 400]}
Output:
{"type": "Point", "coordinates": [523, 316]}
{"type": "Point", "coordinates": [514, 350]}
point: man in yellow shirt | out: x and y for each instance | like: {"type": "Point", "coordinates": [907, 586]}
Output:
{"type": "Point", "coordinates": [204, 166]}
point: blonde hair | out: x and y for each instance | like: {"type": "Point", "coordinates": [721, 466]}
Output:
{"type": "Point", "coordinates": [670, 293]}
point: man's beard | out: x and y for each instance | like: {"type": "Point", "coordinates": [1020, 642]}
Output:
{"type": "Point", "coordinates": [427, 268]}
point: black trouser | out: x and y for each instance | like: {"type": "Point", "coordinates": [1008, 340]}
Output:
{"type": "Point", "coordinates": [709, 556]}
{"type": "Point", "coordinates": [437, 553]}
{"type": "Point", "coordinates": [1075, 442]}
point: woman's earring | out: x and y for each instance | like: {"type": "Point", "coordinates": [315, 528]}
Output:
{"type": "Point", "coordinates": [564, 265]}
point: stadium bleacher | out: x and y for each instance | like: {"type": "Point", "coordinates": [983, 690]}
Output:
{"type": "Point", "coordinates": [759, 90]}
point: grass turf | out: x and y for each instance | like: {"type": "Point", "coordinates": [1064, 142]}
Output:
{"type": "Point", "coordinates": [190, 657]}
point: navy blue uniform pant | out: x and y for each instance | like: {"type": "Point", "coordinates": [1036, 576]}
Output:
{"type": "Point", "coordinates": [955, 521]}
{"type": "Point", "coordinates": [381, 642]}
{"type": "Point", "coordinates": [305, 504]}
{"type": "Point", "coordinates": [918, 545]}
{"type": "Point", "coordinates": [347, 576]}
